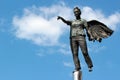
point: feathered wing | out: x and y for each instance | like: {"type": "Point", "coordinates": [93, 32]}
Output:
{"type": "Point", "coordinates": [98, 31]}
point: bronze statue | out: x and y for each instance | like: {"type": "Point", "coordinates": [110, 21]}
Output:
{"type": "Point", "coordinates": [95, 30]}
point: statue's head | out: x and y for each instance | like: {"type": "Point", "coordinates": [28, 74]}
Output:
{"type": "Point", "coordinates": [77, 11]}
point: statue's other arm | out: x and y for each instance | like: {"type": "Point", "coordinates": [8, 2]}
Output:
{"type": "Point", "coordinates": [86, 25]}
{"type": "Point", "coordinates": [65, 21]}
{"type": "Point", "coordinates": [87, 31]}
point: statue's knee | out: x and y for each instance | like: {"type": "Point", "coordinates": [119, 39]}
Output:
{"type": "Point", "coordinates": [85, 53]}
{"type": "Point", "coordinates": [75, 56]}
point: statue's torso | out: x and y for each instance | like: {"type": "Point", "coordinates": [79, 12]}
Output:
{"type": "Point", "coordinates": [77, 28]}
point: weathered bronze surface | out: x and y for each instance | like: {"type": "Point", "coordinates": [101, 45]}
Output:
{"type": "Point", "coordinates": [95, 30]}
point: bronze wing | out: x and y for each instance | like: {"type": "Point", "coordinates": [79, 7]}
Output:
{"type": "Point", "coordinates": [98, 31]}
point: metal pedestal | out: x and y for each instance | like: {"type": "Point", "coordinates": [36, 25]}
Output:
{"type": "Point", "coordinates": [77, 75]}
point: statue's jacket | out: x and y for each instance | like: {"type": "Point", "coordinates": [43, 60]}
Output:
{"type": "Point", "coordinates": [77, 27]}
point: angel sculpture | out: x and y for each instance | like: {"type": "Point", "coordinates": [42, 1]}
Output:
{"type": "Point", "coordinates": [95, 30]}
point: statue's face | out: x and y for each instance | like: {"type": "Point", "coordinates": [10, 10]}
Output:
{"type": "Point", "coordinates": [76, 12]}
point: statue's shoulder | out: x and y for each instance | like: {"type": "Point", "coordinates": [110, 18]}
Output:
{"type": "Point", "coordinates": [83, 20]}
{"type": "Point", "coordinates": [73, 20]}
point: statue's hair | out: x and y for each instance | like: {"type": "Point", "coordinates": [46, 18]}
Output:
{"type": "Point", "coordinates": [78, 9]}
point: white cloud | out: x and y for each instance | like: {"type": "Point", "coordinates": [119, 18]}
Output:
{"type": "Point", "coordinates": [68, 64]}
{"type": "Point", "coordinates": [39, 24]}
{"type": "Point", "coordinates": [40, 54]}
{"type": "Point", "coordinates": [65, 52]}
{"type": "Point", "coordinates": [95, 48]}
{"type": "Point", "coordinates": [65, 49]}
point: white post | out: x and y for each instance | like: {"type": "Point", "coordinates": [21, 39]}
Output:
{"type": "Point", "coordinates": [77, 75]}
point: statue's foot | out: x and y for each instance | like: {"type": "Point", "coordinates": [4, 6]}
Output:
{"type": "Point", "coordinates": [90, 69]}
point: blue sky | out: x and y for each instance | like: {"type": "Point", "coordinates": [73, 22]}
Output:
{"type": "Point", "coordinates": [35, 46]}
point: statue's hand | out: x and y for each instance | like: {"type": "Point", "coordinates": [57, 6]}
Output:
{"type": "Point", "coordinates": [59, 17]}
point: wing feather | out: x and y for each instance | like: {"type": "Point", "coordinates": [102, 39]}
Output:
{"type": "Point", "coordinates": [98, 31]}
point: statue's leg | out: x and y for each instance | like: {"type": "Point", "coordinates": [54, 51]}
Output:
{"type": "Point", "coordinates": [74, 49]}
{"type": "Point", "coordinates": [83, 46]}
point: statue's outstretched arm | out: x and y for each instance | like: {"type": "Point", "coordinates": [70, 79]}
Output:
{"type": "Point", "coordinates": [65, 21]}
